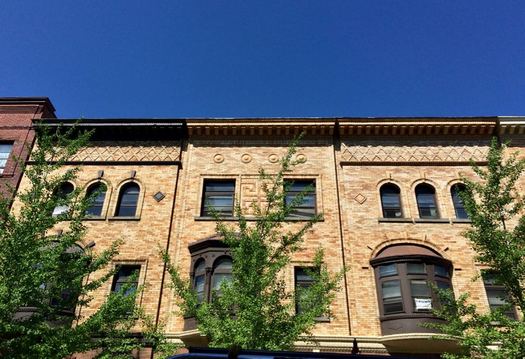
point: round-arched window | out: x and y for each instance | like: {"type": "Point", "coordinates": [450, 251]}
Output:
{"type": "Point", "coordinates": [391, 201]}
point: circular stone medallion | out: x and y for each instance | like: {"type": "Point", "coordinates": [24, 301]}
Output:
{"type": "Point", "coordinates": [218, 158]}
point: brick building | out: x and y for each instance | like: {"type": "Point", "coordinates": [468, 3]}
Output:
{"type": "Point", "coordinates": [17, 135]}
{"type": "Point", "coordinates": [386, 187]}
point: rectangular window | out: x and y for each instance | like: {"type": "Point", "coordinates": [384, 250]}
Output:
{"type": "Point", "coordinates": [126, 275]}
{"type": "Point", "coordinates": [387, 270]}
{"type": "Point", "coordinates": [303, 280]}
{"type": "Point", "coordinates": [421, 295]}
{"type": "Point", "coordinates": [218, 196]}
{"type": "Point", "coordinates": [306, 206]}
{"type": "Point", "coordinates": [5, 150]}
{"type": "Point", "coordinates": [497, 295]}
{"type": "Point", "coordinates": [392, 299]}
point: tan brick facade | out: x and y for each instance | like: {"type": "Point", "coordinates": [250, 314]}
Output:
{"type": "Point", "coordinates": [349, 159]}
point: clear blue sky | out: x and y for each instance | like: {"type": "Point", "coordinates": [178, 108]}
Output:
{"type": "Point", "coordinates": [106, 58]}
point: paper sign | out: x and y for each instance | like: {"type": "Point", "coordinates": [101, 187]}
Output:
{"type": "Point", "coordinates": [423, 303]}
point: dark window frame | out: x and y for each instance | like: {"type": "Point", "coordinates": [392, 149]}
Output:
{"type": "Point", "coordinates": [425, 191]}
{"type": "Point", "coordinates": [386, 209]}
{"type": "Point", "coordinates": [291, 193]}
{"type": "Point", "coordinates": [124, 280]}
{"type": "Point", "coordinates": [405, 279]}
{"type": "Point", "coordinates": [123, 204]}
{"type": "Point", "coordinates": [206, 209]}
{"type": "Point", "coordinates": [5, 161]}
{"type": "Point", "coordinates": [63, 193]}
{"type": "Point", "coordinates": [305, 283]}
{"type": "Point", "coordinates": [99, 201]}
{"type": "Point", "coordinates": [491, 286]}
{"type": "Point", "coordinates": [459, 208]}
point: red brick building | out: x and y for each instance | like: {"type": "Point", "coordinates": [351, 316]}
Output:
{"type": "Point", "coordinates": [17, 135]}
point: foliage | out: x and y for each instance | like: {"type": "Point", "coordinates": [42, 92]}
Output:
{"type": "Point", "coordinates": [255, 310]}
{"type": "Point", "coordinates": [44, 275]}
{"type": "Point", "coordinates": [497, 233]}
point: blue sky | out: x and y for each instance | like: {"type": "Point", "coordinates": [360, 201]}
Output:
{"type": "Point", "coordinates": [101, 58]}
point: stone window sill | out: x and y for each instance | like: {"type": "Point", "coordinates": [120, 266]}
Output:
{"type": "Point", "coordinates": [250, 218]}
{"type": "Point", "coordinates": [94, 218]}
{"type": "Point", "coordinates": [455, 220]}
{"type": "Point", "coordinates": [395, 220]}
{"type": "Point", "coordinates": [123, 218]}
{"type": "Point", "coordinates": [431, 220]}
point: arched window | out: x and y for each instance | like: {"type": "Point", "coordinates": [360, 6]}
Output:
{"type": "Point", "coordinates": [403, 273]}
{"type": "Point", "coordinates": [127, 200]}
{"type": "Point", "coordinates": [222, 272]}
{"type": "Point", "coordinates": [97, 193]}
{"type": "Point", "coordinates": [62, 193]}
{"type": "Point", "coordinates": [199, 279]}
{"type": "Point", "coordinates": [459, 208]}
{"type": "Point", "coordinates": [426, 201]}
{"type": "Point", "coordinates": [391, 201]}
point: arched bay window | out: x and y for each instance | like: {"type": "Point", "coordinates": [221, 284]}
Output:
{"type": "Point", "coordinates": [97, 193]}
{"type": "Point", "coordinates": [459, 208]}
{"type": "Point", "coordinates": [403, 273]}
{"type": "Point", "coordinates": [391, 201]}
{"type": "Point", "coordinates": [127, 200]}
{"type": "Point", "coordinates": [426, 201]}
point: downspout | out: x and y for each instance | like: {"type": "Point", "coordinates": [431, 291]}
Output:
{"type": "Point", "coordinates": [172, 215]}
{"type": "Point", "coordinates": [337, 143]}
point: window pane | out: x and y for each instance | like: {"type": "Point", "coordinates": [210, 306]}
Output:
{"type": "Point", "coordinates": [223, 264]}
{"type": "Point", "coordinates": [391, 292]}
{"type": "Point", "coordinates": [441, 271]}
{"type": "Point", "coordinates": [128, 199]}
{"type": "Point", "coordinates": [390, 201]}
{"type": "Point", "coordinates": [416, 268]}
{"type": "Point", "coordinates": [218, 278]}
{"type": "Point", "coordinates": [387, 269]}
{"type": "Point", "coordinates": [126, 275]}
{"type": "Point", "coordinates": [5, 150]}
{"type": "Point", "coordinates": [419, 288]}
{"type": "Point", "coordinates": [306, 208]}
{"type": "Point", "coordinates": [458, 203]}
{"type": "Point", "coordinates": [95, 209]}
{"type": "Point", "coordinates": [391, 289]}
{"type": "Point", "coordinates": [218, 197]}
{"type": "Point", "coordinates": [426, 201]}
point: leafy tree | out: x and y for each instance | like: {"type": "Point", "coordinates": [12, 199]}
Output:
{"type": "Point", "coordinates": [497, 233]}
{"type": "Point", "coordinates": [43, 271]}
{"type": "Point", "coordinates": [255, 310]}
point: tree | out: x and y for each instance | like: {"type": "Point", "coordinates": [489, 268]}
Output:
{"type": "Point", "coordinates": [255, 310]}
{"type": "Point", "coordinates": [497, 233]}
{"type": "Point", "coordinates": [44, 271]}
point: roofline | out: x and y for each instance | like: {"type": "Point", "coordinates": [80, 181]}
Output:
{"type": "Point", "coordinates": [41, 100]}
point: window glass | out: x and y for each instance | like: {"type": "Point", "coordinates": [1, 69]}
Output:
{"type": "Point", "coordinates": [392, 300]}
{"type": "Point", "coordinates": [128, 199]}
{"type": "Point", "coordinates": [307, 206]}
{"type": "Point", "coordinates": [497, 295]}
{"type": "Point", "coordinates": [222, 272]}
{"type": "Point", "coordinates": [421, 295]}
{"type": "Point", "coordinates": [98, 190]}
{"type": "Point", "coordinates": [387, 269]}
{"type": "Point", "coordinates": [391, 201]}
{"type": "Point", "coordinates": [218, 196]}
{"type": "Point", "coordinates": [63, 192]}
{"type": "Point", "coordinates": [416, 268]}
{"type": "Point", "coordinates": [459, 208]}
{"type": "Point", "coordinates": [199, 279]}
{"type": "Point", "coordinates": [127, 275]}
{"type": "Point", "coordinates": [5, 150]}
{"type": "Point", "coordinates": [441, 271]}
{"type": "Point", "coordinates": [426, 201]}
{"type": "Point", "coordinates": [303, 280]}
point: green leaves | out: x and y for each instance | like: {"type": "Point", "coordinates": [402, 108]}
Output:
{"type": "Point", "coordinates": [497, 233]}
{"type": "Point", "coordinates": [256, 310]}
{"type": "Point", "coordinates": [46, 268]}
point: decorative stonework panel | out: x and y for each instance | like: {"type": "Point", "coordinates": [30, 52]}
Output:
{"type": "Point", "coordinates": [103, 151]}
{"type": "Point", "coordinates": [423, 151]}
{"type": "Point", "coordinates": [249, 192]}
